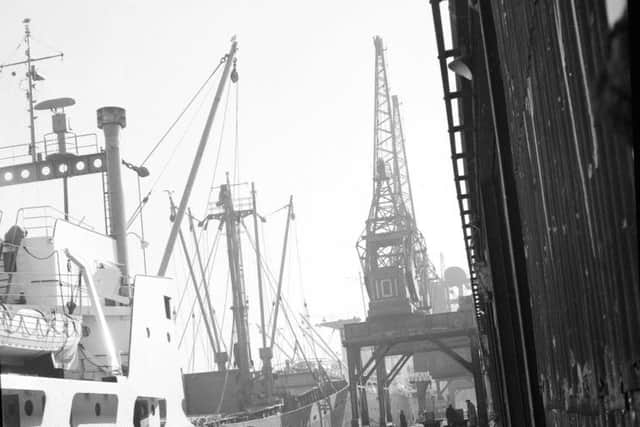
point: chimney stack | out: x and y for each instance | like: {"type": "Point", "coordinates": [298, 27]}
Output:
{"type": "Point", "coordinates": [111, 120]}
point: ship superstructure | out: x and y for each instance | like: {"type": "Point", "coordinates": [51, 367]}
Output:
{"type": "Point", "coordinates": [83, 339]}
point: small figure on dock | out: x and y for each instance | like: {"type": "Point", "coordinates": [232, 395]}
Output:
{"type": "Point", "coordinates": [403, 419]}
{"type": "Point", "coordinates": [472, 416]}
{"type": "Point", "coordinates": [451, 415]}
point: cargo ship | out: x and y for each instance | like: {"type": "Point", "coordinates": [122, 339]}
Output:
{"type": "Point", "coordinates": [85, 338]}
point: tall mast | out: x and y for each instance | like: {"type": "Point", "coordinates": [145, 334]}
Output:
{"type": "Point", "coordinates": [280, 275]}
{"type": "Point", "coordinates": [266, 353]}
{"type": "Point", "coordinates": [231, 218]}
{"type": "Point", "coordinates": [258, 265]}
{"type": "Point", "coordinates": [196, 161]}
{"type": "Point", "coordinates": [32, 76]}
{"type": "Point", "coordinates": [32, 127]}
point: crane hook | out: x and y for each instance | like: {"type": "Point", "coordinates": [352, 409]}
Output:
{"type": "Point", "coordinates": [234, 72]}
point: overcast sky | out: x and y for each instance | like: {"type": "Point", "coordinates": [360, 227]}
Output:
{"type": "Point", "coordinates": [305, 118]}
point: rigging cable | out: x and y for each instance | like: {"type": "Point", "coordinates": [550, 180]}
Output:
{"type": "Point", "coordinates": [209, 260]}
{"type": "Point", "coordinates": [184, 330]}
{"type": "Point", "coordinates": [192, 358]}
{"type": "Point", "coordinates": [286, 310]}
{"type": "Point", "coordinates": [197, 327]}
{"type": "Point", "coordinates": [226, 372]}
{"type": "Point", "coordinates": [184, 110]}
{"type": "Point", "coordinates": [213, 253]}
{"type": "Point", "coordinates": [145, 199]}
{"type": "Point", "coordinates": [226, 299]}
{"type": "Point", "coordinates": [285, 306]}
{"type": "Point", "coordinates": [300, 281]}
{"type": "Point", "coordinates": [271, 280]}
{"type": "Point", "coordinates": [10, 55]}
{"type": "Point", "coordinates": [236, 163]}
{"type": "Point", "coordinates": [47, 45]}
{"type": "Point", "coordinates": [322, 343]}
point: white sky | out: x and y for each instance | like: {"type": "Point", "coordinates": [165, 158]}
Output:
{"type": "Point", "coordinates": [305, 117]}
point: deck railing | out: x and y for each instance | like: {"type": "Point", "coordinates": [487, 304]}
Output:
{"type": "Point", "coordinates": [75, 144]}
{"type": "Point", "coordinates": [40, 220]}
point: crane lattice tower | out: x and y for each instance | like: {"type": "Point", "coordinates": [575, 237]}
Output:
{"type": "Point", "coordinates": [393, 253]}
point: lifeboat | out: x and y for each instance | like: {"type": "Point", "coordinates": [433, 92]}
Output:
{"type": "Point", "coordinates": [28, 333]}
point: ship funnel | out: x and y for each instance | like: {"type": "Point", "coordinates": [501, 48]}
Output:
{"type": "Point", "coordinates": [111, 120]}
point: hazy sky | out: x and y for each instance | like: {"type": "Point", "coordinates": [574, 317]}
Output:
{"type": "Point", "coordinates": [305, 118]}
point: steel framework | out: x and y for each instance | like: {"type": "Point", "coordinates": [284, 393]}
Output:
{"type": "Point", "coordinates": [392, 250]}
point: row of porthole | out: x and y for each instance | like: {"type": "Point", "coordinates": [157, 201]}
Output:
{"type": "Point", "coordinates": [46, 170]}
{"type": "Point", "coordinates": [28, 408]}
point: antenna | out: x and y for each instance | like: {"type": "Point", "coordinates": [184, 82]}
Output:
{"type": "Point", "coordinates": [59, 126]}
{"type": "Point", "coordinates": [32, 77]}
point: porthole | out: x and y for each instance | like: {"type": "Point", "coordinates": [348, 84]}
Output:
{"type": "Point", "coordinates": [62, 167]}
{"type": "Point", "coordinates": [28, 407]}
{"type": "Point", "coordinates": [46, 170]}
{"type": "Point", "coordinates": [97, 163]}
{"type": "Point", "coordinates": [80, 166]}
{"type": "Point", "coordinates": [8, 176]}
{"type": "Point", "coordinates": [25, 173]}
{"type": "Point", "coordinates": [97, 409]}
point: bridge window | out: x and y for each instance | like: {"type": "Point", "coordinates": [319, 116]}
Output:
{"type": "Point", "coordinates": [149, 411]}
{"type": "Point", "coordinates": [22, 407]}
{"type": "Point", "coordinates": [94, 408]}
{"type": "Point", "coordinates": [386, 286]}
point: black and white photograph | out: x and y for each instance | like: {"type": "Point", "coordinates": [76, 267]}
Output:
{"type": "Point", "coordinates": [338, 213]}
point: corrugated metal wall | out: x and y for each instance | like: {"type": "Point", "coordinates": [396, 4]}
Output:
{"type": "Point", "coordinates": [575, 182]}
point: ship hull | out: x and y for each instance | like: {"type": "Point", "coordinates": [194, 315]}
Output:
{"type": "Point", "coordinates": [55, 402]}
{"type": "Point", "coordinates": [316, 414]}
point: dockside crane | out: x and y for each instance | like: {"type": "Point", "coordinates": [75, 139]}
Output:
{"type": "Point", "coordinates": [393, 254]}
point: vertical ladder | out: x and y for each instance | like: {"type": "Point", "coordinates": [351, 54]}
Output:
{"type": "Point", "coordinates": [461, 179]}
{"type": "Point", "coordinates": [106, 198]}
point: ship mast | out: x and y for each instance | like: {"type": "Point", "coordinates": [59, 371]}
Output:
{"type": "Point", "coordinates": [182, 207]}
{"type": "Point", "coordinates": [230, 218]}
{"type": "Point", "coordinates": [32, 76]}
